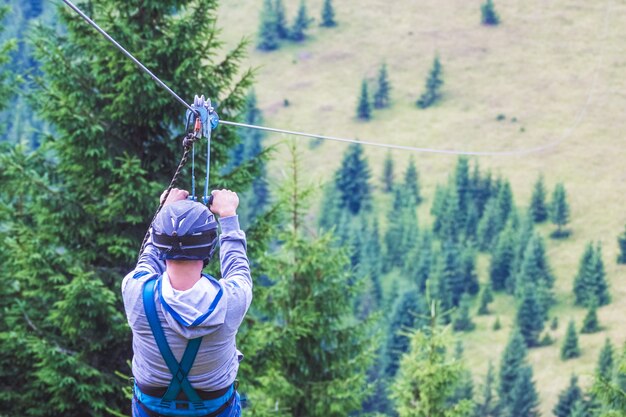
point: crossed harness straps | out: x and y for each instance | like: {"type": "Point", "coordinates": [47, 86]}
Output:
{"type": "Point", "coordinates": [179, 370]}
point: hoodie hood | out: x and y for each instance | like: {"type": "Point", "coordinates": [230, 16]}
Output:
{"type": "Point", "coordinates": [195, 312]}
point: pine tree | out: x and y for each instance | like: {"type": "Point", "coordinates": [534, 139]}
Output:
{"type": "Point", "coordinates": [489, 226]}
{"type": "Point", "coordinates": [411, 180]}
{"type": "Point", "coordinates": [497, 325]}
{"type": "Point", "coordinates": [513, 358]}
{"type": "Point", "coordinates": [352, 180]}
{"type": "Point", "coordinates": [428, 376]}
{"type": "Point", "coordinates": [449, 275]}
{"type": "Point", "coordinates": [433, 86]}
{"type": "Point", "coordinates": [308, 310]}
{"type": "Point", "coordinates": [328, 15]}
{"type": "Point", "coordinates": [363, 110]}
{"type": "Point", "coordinates": [489, 14]}
{"type": "Point", "coordinates": [301, 23]}
{"type": "Point", "coordinates": [530, 316]}
{"type": "Point", "coordinates": [381, 97]}
{"type": "Point", "coordinates": [402, 233]}
{"type": "Point", "coordinates": [419, 262]}
{"type": "Point", "coordinates": [538, 208]}
{"type": "Point", "coordinates": [524, 398]}
{"type": "Point", "coordinates": [488, 406]}
{"type": "Point", "coordinates": [501, 269]}
{"type": "Point", "coordinates": [505, 202]}
{"type": "Point", "coordinates": [536, 271]}
{"type": "Point", "coordinates": [570, 348]}
{"type": "Point", "coordinates": [486, 297]}
{"type": "Point", "coordinates": [251, 150]}
{"type": "Point", "coordinates": [81, 214]}
{"type": "Point", "coordinates": [559, 210]}
{"type": "Point", "coordinates": [468, 269]}
{"type": "Point", "coordinates": [405, 318]}
{"type": "Point", "coordinates": [462, 321]}
{"type": "Point", "coordinates": [388, 176]}
{"type": "Point", "coordinates": [463, 186]}
{"type": "Point", "coordinates": [604, 369]}
{"type": "Point", "coordinates": [621, 240]}
{"type": "Point", "coordinates": [268, 36]}
{"type": "Point", "coordinates": [590, 284]}
{"type": "Point", "coordinates": [590, 322]}
{"type": "Point", "coordinates": [281, 21]}
{"type": "Point", "coordinates": [568, 398]}
{"type": "Point", "coordinates": [448, 224]}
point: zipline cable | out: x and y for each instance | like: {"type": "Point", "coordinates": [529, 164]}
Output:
{"type": "Point", "coordinates": [568, 133]}
{"type": "Point", "coordinates": [128, 54]}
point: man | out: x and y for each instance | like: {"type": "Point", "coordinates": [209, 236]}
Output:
{"type": "Point", "coordinates": [184, 322]}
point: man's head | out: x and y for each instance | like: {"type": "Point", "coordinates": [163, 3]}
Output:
{"type": "Point", "coordinates": [185, 230]}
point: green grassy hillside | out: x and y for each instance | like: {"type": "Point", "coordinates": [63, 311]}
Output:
{"type": "Point", "coordinates": [554, 69]}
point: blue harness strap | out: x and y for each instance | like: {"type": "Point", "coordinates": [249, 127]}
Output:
{"type": "Point", "coordinates": [179, 371]}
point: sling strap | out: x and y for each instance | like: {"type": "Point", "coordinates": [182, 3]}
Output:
{"type": "Point", "coordinates": [179, 371]}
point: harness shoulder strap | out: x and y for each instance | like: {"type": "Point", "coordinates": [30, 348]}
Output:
{"type": "Point", "coordinates": [179, 370]}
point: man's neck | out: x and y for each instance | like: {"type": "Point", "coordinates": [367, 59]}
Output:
{"type": "Point", "coordinates": [184, 274]}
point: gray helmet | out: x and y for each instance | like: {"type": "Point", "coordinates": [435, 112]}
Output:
{"type": "Point", "coordinates": [185, 230]}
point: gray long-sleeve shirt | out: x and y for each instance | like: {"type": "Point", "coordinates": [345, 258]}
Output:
{"type": "Point", "coordinates": [211, 308]}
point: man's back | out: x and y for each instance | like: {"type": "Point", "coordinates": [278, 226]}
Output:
{"type": "Point", "coordinates": [210, 309]}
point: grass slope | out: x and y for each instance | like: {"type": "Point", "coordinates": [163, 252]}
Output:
{"type": "Point", "coordinates": [556, 67]}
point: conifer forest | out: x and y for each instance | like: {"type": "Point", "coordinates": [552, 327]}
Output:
{"type": "Point", "coordinates": [460, 251]}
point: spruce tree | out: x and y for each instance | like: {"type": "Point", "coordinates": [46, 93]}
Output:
{"type": "Point", "coordinates": [308, 311]}
{"type": "Point", "coordinates": [433, 86]}
{"type": "Point", "coordinates": [505, 202]}
{"type": "Point", "coordinates": [281, 20]}
{"type": "Point", "coordinates": [513, 358]}
{"type": "Point", "coordinates": [530, 316]}
{"type": "Point", "coordinates": [486, 297]}
{"type": "Point", "coordinates": [251, 150]}
{"type": "Point", "coordinates": [601, 286]}
{"type": "Point", "coordinates": [448, 225]}
{"type": "Point", "coordinates": [449, 275]}
{"type": "Point", "coordinates": [621, 241]}
{"type": "Point", "coordinates": [463, 186]}
{"type": "Point", "coordinates": [402, 233]}
{"type": "Point", "coordinates": [536, 271]}
{"type": "Point", "coordinates": [568, 398]}
{"type": "Point", "coordinates": [268, 36]}
{"type": "Point", "coordinates": [604, 369]}
{"type": "Point", "coordinates": [328, 15]}
{"type": "Point", "coordinates": [302, 22]}
{"type": "Point", "coordinates": [428, 376]}
{"type": "Point", "coordinates": [82, 213]}
{"type": "Point", "coordinates": [538, 208]}
{"type": "Point", "coordinates": [523, 397]}
{"type": "Point", "coordinates": [501, 269]}
{"type": "Point", "coordinates": [488, 405]}
{"type": "Point", "coordinates": [489, 16]}
{"type": "Point", "coordinates": [489, 226]}
{"type": "Point", "coordinates": [468, 269]}
{"type": "Point", "coordinates": [411, 180]}
{"type": "Point", "coordinates": [381, 96]}
{"type": "Point", "coordinates": [388, 176]}
{"type": "Point", "coordinates": [570, 348]}
{"type": "Point", "coordinates": [462, 321]}
{"type": "Point", "coordinates": [590, 322]}
{"type": "Point", "coordinates": [363, 110]}
{"type": "Point", "coordinates": [559, 210]}
{"type": "Point", "coordinates": [419, 262]}
{"type": "Point", "coordinates": [406, 317]}
{"type": "Point", "coordinates": [352, 180]}
{"type": "Point", "coordinates": [590, 284]}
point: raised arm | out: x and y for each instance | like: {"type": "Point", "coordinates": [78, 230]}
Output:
{"type": "Point", "coordinates": [233, 259]}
